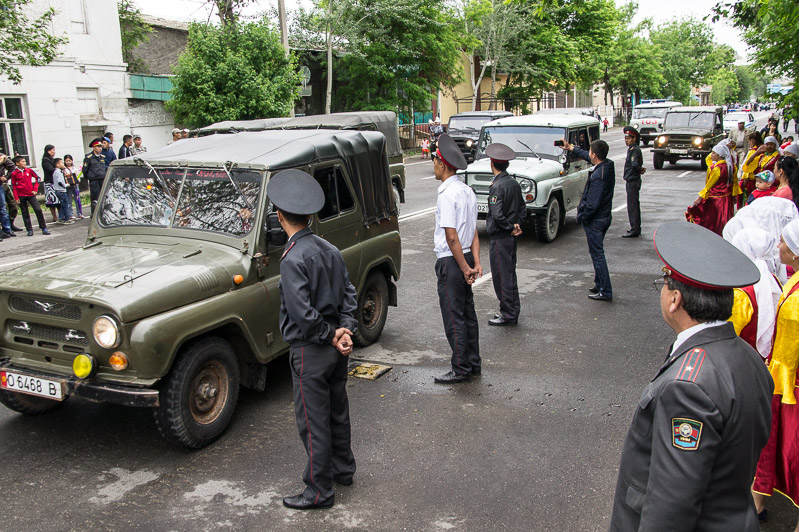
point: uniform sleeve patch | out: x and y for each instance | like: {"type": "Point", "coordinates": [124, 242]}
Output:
{"type": "Point", "coordinates": [492, 200]}
{"type": "Point", "coordinates": [686, 433]}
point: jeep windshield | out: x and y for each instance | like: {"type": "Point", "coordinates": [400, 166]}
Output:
{"type": "Point", "coordinates": [468, 122]}
{"type": "Point", "coordinates": [521, 138]}
{"type": "Point", "coordinates": [658, 112]}
{"type": "Point", "coordinates": [698, 120]}
{"type": "Point", "coordinates": [193, 199]}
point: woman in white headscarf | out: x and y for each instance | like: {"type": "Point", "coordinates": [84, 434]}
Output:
{"type": "Point", "coordinates": [715, 204]}
{"type": "Point", "coordinates": [753, 312]}
{"type": "Point", "coordinates": [778, 467]}
{"type": "Point", "coordinates": [770, 214]}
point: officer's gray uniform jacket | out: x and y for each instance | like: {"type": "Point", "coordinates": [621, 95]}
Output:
{"type": "Point", "coordinates": [314, 301]}
{"type": "Point", "coordinates": [690, 455]}
{"type": "Point", "coordinates": [505, 206]}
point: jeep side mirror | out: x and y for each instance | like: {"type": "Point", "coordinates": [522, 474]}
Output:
{"type": "Point", "coordinates": [275, 234]}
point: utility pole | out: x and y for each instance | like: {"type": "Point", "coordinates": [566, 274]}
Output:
{"type": "Point", "coordinates": [284, 35]}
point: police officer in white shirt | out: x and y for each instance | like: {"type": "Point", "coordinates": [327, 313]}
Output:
{"type": "Point", "coordinates": [458, 266]}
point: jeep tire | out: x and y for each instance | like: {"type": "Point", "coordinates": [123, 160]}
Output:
{"type": "Point", "coordinates": [397, 197]}
{"type": "Point", "coordinates": [548, 223]}
{"type": "Point", "coordinates": [372, 309]}
{"type": "Point", "coordinates": [27, 404]}
{"type": "Point", "coordinates": [703, 163]}
{"type": "Point", "coordinates": [198, 397]}
{"type": "Point", "coordinates": [657, 161]}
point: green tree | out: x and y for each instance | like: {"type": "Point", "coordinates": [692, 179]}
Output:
{"type": "Point", "coordinates": [725, 87]}
{"type": "Point", "coordinates": [686, 46]}
{"type": "Point", "coordinates": [234, 72]}
{"type": "Point", "coordinates": [746, 83]}
{"type": "Point", "coordinates": [134, 32]}
{"type": "Point", "coordinates": [25, 41]}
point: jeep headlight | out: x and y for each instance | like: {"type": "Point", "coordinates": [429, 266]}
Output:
{"type": "Point", "coordinates": [106, 332]}
{"type": "Point", "coordinates": [662, 139]}
{"type": "Point", "coordinates": [636, 126]}
{"type": "Point", "coordinates": [469, 143]}
{"type": "Point", "coordinates": [697, 141]}
{"type": "Point", "coordinates": [527, 186]}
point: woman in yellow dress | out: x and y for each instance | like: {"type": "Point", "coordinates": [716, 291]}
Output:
{"type": "Point", "coordinates": [749, 167]}
{"type": "Point", "coordinates": [778, 467]}
{"type": "Point", "coordinates": [715, 205]}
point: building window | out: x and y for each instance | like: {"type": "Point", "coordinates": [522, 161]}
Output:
{"type": "Point", "coordinates": [77, 13]}
{"type": "Point", "coordinates": [88, 102]}
{"type": "Point", "coordinates": [13, 127]}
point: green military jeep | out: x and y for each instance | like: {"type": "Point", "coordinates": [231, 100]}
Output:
{"type": "Point", "coordinates": [688, 133]}
{"type": "Point", "coordinates": [173, 301]}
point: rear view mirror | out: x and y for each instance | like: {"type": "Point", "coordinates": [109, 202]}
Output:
{"type": "Point", "coordinates": [275, 234]}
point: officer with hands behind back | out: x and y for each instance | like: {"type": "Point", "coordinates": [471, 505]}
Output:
{"type": "Point", "coordinates": [691, 452]}
{"type": "Point", "coordinates": [317, 319]}
{"type": "Point", "coordinates": [506, 210]}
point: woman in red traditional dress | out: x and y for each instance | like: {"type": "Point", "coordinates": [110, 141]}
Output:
{"type": "Point", "coordinates": [778, 467]}
{"type": "Point", "coordinates": [715, 205]}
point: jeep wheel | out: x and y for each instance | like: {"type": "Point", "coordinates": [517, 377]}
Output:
{"type": "Point", "coordinates": [657, 161]}
{"type": "Point", "coordinates": [703, 163]}
{"type": "Point", "coordinates": [548, 222]}
{"type": "Point", "coordinates": [372, 309]}
{"type": "Point", "coordinates": [645, 142]}
{"type": "Point", "coordinates": [199, 395]}
{"type": "Point", "coordinates": [27, 404]}
{"type": "Point", "coordinates": [396, 197]}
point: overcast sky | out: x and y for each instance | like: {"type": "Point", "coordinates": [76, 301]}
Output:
{"type": "Point", "coordinates": [657, 10]}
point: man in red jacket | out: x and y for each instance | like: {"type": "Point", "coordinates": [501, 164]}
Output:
{"type": "Point", "coordinates": [25, 184]}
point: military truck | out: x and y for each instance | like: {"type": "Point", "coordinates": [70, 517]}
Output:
{"type": "Point", "coordinates": [464, 128]}
{"type": "Point", "coordinates": [688, 133]}
{"type": "Point", "coordinates": [173, 301]}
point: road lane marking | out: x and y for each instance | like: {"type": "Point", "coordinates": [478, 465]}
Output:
{"type": "Point", "coordinates": [426, 161]}
{"type": "Point", "coordinates": [32, 259]}
{"type": "Point", "coordinates": [618, 157]}
{"type": "Point", "coordinates": [429, 177]}
{"type": "Point", "coordinates": [620, 208]}
{"type": "Point", "coordinates": [417, 214]}
{"type": "Point", "coordinates": [481, 280]}
{"type": "Point", "coordinates": [685, 173]}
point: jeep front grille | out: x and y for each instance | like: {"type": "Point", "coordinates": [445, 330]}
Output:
{"type": "Point", "coordinates": [25, 330]}
{"type": "Point", "coordinates": [480, 189]}
{"type": "Point", "coordinates": [45, 308]}
{"type": "Point", "coordinates": [487, 178]}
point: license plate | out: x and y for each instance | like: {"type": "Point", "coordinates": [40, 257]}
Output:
{"type": "Point", "coordinates": [482, 207]}
{"type": "Point", "coordinates": [683, 152]}
{"type": "Point", "coordinates": [31, 385]}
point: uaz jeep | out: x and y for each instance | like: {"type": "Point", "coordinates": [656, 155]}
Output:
{"type": "Point", "coordinates": [688, 133]}
{"type": "Point", "coordinates": [464, 128]}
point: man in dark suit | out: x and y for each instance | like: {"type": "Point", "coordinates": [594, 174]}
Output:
{"type": "Point", "coordinates": [691, 452]}
{"type": "Point", "coordinates": [593, 212]}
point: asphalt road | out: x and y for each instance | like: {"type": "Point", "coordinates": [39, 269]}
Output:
{"type": "Point", "coordinates": [531, 445]}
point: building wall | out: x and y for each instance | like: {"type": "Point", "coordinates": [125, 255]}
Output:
{"type": "Point", "coordinates": [167, 41]}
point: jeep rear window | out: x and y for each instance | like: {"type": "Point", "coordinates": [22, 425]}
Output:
{"type": "Point", "coordinates": [208, 200]}
{"type": "Point", "coordinates": [696, 120]}
{"type": "Point", "coordinates": [523, 138]}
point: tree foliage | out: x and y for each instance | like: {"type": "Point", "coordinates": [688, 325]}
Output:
{"type": "Point", "coordinates": [25, 41]}
{"type": "Point", "coordinates": [685, 45]}
{"type": "Point", "coordinates": [234, 72]}
{"type": "Point", "coordinates": [134, 32]}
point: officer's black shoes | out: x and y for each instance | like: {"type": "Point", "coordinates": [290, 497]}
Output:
{"type": "Point", "coordinates": [299, 502]}
{"type": "Point", "coordinates": [16, 229]}
{"type": "Point", "coordinates": [342, 480]}
{"type": "Point", "coordinates": [451, 377]}
{"type": "Point", "coordinates": [600, 297]}
{"type": "Point", "coordinates": [500, 321]}
{"type": "Point", "coordinates": [594, 290]}
{"type": "Point", "coordinates": [477, 371]}
{"type": "Point", "coordinates": [631, 234]}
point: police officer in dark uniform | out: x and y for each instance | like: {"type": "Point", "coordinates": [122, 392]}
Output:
{"type": "Point", "coordinates": [690, 455]}
{"type": "Point", "coordinates": [633, 170]}
{"type": "Point", "coordinates": [94, 169]}
{"type": "Point", "coordinates": [317, 319]}
{"type": "Point", "coordinates": [506, 210]}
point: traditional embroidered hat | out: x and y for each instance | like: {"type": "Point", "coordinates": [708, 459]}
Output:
{"type": "Point", "coordinates": [296, 192]}
{"type": "Point", "coordinates": [699, 257]}
{"type": "Point", "coordinates": [500, 153]}
{"type": "Point", "coordinates": [450, 154]}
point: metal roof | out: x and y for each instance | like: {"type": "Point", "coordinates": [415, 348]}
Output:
{"type": "Point", "coordinates": [697, 109]}
{"type": "Point", "coordinates": [552, 120]}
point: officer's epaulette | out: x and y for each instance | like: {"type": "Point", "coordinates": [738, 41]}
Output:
{"type": "Point", "coordinates": [691, 365]}
{"type": "Point", "coordinates": [283, 256]}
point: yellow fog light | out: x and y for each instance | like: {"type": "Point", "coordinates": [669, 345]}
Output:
{"type": "Point", "coordinates": [83, 366]}
{"type": "Point", "coordinates": [118, 361]}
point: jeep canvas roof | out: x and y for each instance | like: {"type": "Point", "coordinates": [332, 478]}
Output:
{"type": "Point", "coordinates": [275, 150]}
{"type": "Point", "coordinates": [231, 126]}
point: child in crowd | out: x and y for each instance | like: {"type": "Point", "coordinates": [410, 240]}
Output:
{"type": "Point", "coordinates": [425, 148]}
{"type": "Point", "coordinates": [764, 186]}
{"type": "Point", "coordinates": [73, 186]}
{"type": "Point", "coordinates": [60, 188]}
{"type": "Point", "coordinates": [787, 141]}
{"type": "Point", "coordinates": [25, 184]}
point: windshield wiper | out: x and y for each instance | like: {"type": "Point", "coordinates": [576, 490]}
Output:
{"type": "Point", "coordinates": [160, 179]}
{"type": "Point", "coordinates": [236, 185]}
{"type": "Point", "coordinates": [529, 148]}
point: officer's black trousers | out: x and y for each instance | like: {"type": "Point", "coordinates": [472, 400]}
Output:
{"type": "Point", "coordinates": [457, 310]}
{"type": "Point", "coordinates": [322, 410]}
{"type": "Point", "coordinates": [634, 205]}
{"type": "Point", "coordinates": [502, 254]}
{"type": "Point", "coordinates": [95, 187]}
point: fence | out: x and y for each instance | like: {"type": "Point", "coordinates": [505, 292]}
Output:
{"type": "Point", "coordinates": [517, 106]}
